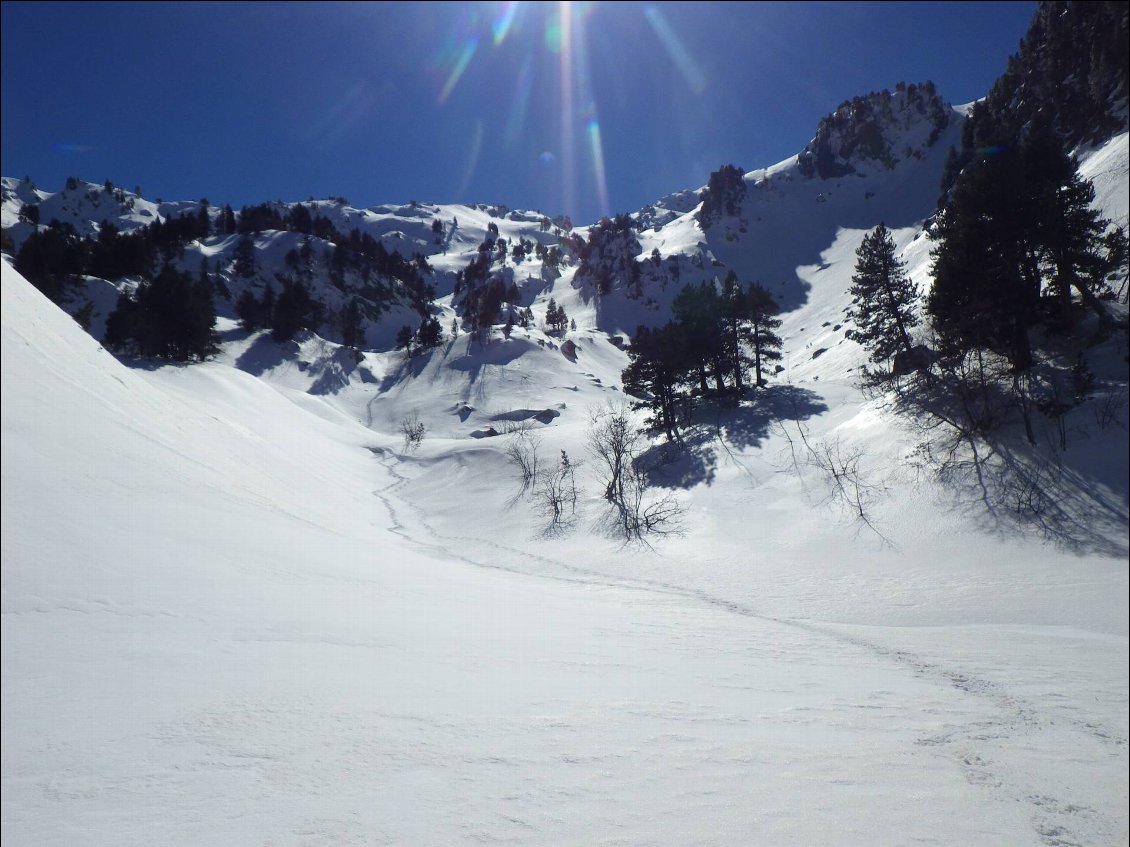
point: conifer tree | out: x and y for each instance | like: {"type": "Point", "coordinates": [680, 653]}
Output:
{"type": "Point", "coordinates": [245, 256]}
{"type": "Point", "coordinates": [248, 310]}
{"type": "Point", "coordinates": [658, 365]}
{"type": "Point", "coordinates": [295, 310]}
{"type": "Point", "coordinates": [352, 327]}
{"type": "Point", "coordinates": [1018, 217]}
{"type": "Point", "coordinates": [699, 309]}
{"type": "Point", "coordinates": [430, 334]}
{"type": "Point", "coordinates": [883, 298]}
{"type": "Point", "coordinates": [761, 310]}
{"type": "Point", "coordinates": [404, 337]}
{"type": "Point", "coordinates": [173, 317]}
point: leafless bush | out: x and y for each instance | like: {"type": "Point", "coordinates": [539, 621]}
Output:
{"type": "Point", "coordinates": [636, 520]}
{"type": "Point", "coordinates": [555, 491]}
{"type": "Point", "coordinates": [617, 447]}
{"type": "Point", "coordinates": [849, 487]}
{"type": "Point", "coordinates": [508, 427]}
{"type": "Point", "coordinates": [1110, 410]}
{"type": "Point", "coordinates": [522, 451]}
{"type": "Point", "coordinates": [614, 444]}
{"type": "Point", "coordinates": [413, 429]}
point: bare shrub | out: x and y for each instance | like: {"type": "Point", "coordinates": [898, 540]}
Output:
{"type": "Point", "coordinates": [522, 452]}
{"type": "Point", "coordinates": [848, 486]}
{"type": "Point", "coordinates": [555, 491]}
{"type": "Point", "coordinates": [617, 447]}
{"type": "Point", "coordinates": [636, 518]}
{"type": "Point", "coordinates": [614, 444]}
{"type": "Point", "coordinates": [413, 429]}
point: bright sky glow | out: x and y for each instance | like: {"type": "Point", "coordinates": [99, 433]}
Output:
{"type": "Point", "coordinates": [576, 108]}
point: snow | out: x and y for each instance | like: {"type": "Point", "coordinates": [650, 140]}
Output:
{"type": "Point", "coordinates": [236, 610]}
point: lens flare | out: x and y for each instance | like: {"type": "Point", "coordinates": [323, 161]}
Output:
{"type": "Point", "coordinates": [342, 114]}
{"type": "Point", "coordinates": [568, 156]}
{"type": "Point", "coordinates": [523, 85]}
{"type": "Point", "coordinates": [501, 26]}
{"type": "Point", "coordinates": [598, 166]}
{"type": "Point", "coordinates": [459, 65]}
{"type": "Point", "coordinates": [671, 42]}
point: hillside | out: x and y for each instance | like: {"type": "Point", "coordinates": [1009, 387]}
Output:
{"type": "Point", "coordinates": [242, 604]}
{"type": "Point", "coordinates": [236, 608]}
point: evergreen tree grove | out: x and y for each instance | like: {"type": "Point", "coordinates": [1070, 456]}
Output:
{"type": "Point", "coordinates": [172, 317]}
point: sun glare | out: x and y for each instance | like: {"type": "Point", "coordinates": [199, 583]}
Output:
{"type": "Point", "coordinates": [531, 38]}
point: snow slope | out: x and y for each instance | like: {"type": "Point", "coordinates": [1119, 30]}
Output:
{"type": "Point", "coordinates": [235, 610]}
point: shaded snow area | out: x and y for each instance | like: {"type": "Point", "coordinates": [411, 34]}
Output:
{"type": "Point", "coordinates": [238, 609]}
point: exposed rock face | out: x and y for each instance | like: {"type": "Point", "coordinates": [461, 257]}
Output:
{"type": "Point", "coordinates": [882, 127]}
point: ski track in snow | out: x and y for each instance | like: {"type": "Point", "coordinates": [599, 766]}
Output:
{"type": "Point", "coordinates": [1018, 721]}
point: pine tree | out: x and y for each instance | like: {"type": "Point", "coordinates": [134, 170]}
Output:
{"type": "Point", "coordinates": [404, 338]}
{"type": "Point", "coordinates": [658, 365]}
{"type": "Point", "coordinates": [735, 315]}
{"type": "Point", "coordinates": [295, 310]}
{"type": "Point", "coordinates": [352, 327]}
{"type": "Point", "coordinates": [250, 311]}
{"type": "Point", "coordinates": [173, 317]}
{"type": "Point", "coordinates": [245, 256]}
{"type": "Point", "coordinates": [430, 334]}
{"type": "Point", "coordinates": [698, 310]}
{"type": "Point", "coordinates": [1017, 218]}
{"type": "Point", "coordinates": [761, 310]}
{"type": "Point", "coordinates": [883, 298]}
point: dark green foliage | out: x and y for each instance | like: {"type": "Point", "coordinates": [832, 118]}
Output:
{"type": "Point", "coordinates": [883, 298]}
{"type": "Point", "coordinates": [172, 317]}
{"type": "Point", "coordinates": [760, 333]}
{"type": "Point", "coordinates": [556, 320]}
{"type": "Point", "coordinates": [265, 216]}
{"type": "Point", "coordinates": [253, 314]}
{"type": "Point", "coordinates": [1072, 68]}
{"type": "Point", "coordinates": [29, 212]}
{"type": "Point", "coordinates": [430, 333]}
{"type": "Point", "coordinates": [1073, 65]}
{"type": "Point", "coordinates": [295, 310]}
{"type": "Point", "coordinates": [404, 338]}
{"type": "Point", "coordinates": [854, 130]}
{"type": "Point", "coordinates": [1017, 227]}
{"type": "Point", "coordinates": [608, 257]}
{"type": "Point", "coordinates": [51, 258]}
{"type": "Point", "coordinates": [699, 310]}
{"type": "Point", "coordinates": [227, 221]}
{"type": "Point", "coordinates": [113, 255]}
{"type": "Point", "coordinates": [352, 327]}
{"type": "Point", "coordinates": [245, 256]}
{"type": "Point", "coordinates": [723, 195]}
{"type": "Point", "coordinates": [658, 366]}
{"type": "Point", "coordinates": [482, 294]}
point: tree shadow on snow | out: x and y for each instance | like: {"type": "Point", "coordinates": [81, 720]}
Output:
{"type": "Point", "coordinates": [681, 464]}
{"type": "Point", "coordinates": [264, 354]}
{"type": "Point", "coordinates": [1071, 487]}
{"type": "Point", "coordinates": [748, 424]}
{"type": "Point", "coordinates": [694, 458]}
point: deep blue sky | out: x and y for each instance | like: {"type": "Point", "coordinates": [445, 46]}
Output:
{"type": "Point", "coordinates": [459, 102]}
